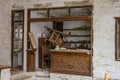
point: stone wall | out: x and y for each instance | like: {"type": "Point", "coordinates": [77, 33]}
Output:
{"type": "Point", "coordinates": [5, 33]}
{"type": "Point", "coordinates": [104, 38]}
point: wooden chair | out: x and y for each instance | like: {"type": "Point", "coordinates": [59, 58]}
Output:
{"type": "Point", "coordinates": [106, 77]}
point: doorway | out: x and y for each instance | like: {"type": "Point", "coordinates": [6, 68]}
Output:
{"type": "Point", "coordinates": [17, 45]}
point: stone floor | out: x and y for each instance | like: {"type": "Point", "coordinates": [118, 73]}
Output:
{"type": "Point", "coordinates": [34, 78]}
{"type": "Point", "coordinates": [39, 74]}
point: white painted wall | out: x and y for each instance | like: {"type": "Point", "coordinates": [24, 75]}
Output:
{"type": "Point", "coordinates": [5, 33]}
{"type": "Point", "coordinates": [38, 28]}
{"type": "Point", "coordinates": [104, 29]}
{"type": "Point", "coordinates": [104, 38]}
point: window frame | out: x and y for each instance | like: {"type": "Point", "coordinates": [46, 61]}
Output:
{"type": "Point", "coordinates": [117, 38]}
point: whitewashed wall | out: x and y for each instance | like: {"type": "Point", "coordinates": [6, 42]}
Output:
{"type": "Point", "coordinates": [5, 33]}
{"type": "Point", "coordinates": [104, 29]}
{"type": "Point", "coordinates": [104, 38]}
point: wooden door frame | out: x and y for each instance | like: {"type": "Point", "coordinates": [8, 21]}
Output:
{"type": "Point", "coordinates": [28, 42]}
{"type": "Point", "coordinates": [12, 33]}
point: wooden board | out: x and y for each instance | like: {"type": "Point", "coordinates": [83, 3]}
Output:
{"type": "Point", "coordinates": [30, 60]}
{"type": "Point", "coordinates": [41, 42]}
{"type": "Point", "coordinates": [32, 40]}
{"type": "Point", "coordinates": [4, 67]}
{"type": "Point", "coordinates": [70, 62]}
{"type": "Point", "coordinates": [61, 19]}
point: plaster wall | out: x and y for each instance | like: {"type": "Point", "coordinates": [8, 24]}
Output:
{"type": "Point", "coordinates": [104, 38]}
{"type": "Point", "coordinates": [103, 31]}
{"type": "Point", "coordinates": [5, 33]}
{"type": "Point", "coordinates": [54, 3]}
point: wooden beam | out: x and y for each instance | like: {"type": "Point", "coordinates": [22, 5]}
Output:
{"type": "Point", "coordinates": [61, 19]}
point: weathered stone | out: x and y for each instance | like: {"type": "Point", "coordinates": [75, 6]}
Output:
{"type": "Point", "coordinates": [48, 5]}
{"type": "Point", "coordinates": [76, 3]}
{"type": "Point", "coordinates": [17, 6]}
{"type": "Point", "coordinates": [38, 5]}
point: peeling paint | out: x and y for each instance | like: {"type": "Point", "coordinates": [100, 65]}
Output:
{"type": "Point", "coordinates": [42, 5]}
{"type": "Point", "coordinates": [76, 3]}
{"type": "Point", "coordinates": [17, 6]}
{"type": "Point", "coordinates": [38, 5]}
{"type": "Point", "coordinates": [48, 5]}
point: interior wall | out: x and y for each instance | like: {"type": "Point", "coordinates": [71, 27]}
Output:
{"type": "Point", "coordinates": [37, 29]}
{"type": "Point", "coordinates": [76, 24]}
{"type": "Point", "coordinates": [5, 33]}
{"type": "Point", "coordinates": [104, 38]}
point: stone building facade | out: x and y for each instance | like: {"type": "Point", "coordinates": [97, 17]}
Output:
{"type": "Point", "coordinates": [104, 12]}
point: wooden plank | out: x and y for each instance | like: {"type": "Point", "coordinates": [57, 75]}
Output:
{"type": "Point", "coordinates": [117, 17]}
{"type": "Point", "coordinates": [61, 19]}
{"type": "Point", "coordinates": [117, 39]}
{"type": "Point", "coordinates": [4, 66]}
{"type": "Point", "coordinates": [32, 40]}
{"type": "Point", "coordinates": [30, 60]}
{"type": "Point", "coordinates": [41, 50]}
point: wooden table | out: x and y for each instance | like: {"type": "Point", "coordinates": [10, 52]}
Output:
{"type": "Point", "coordinates": [4, 72]}
{"type": "Point", "coordinates": [71, 61]}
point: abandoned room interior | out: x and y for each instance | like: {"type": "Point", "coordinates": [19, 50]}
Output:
{"type": "Point", "coordinates": [60, 40]}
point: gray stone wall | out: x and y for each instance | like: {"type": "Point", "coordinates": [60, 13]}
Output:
{"type": "Point", "coordinates": [5, 33]}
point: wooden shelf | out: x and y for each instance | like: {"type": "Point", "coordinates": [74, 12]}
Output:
{"type": "Point", "coordinates": [61, 19]}
{"type": "Point", "coordinates": [18, 20]}
{"type": "Point", "coordinates": [77, 42]}
{"type": "Point", "coordinates": [78, 36]}
{"type": "Point", "coordinates": [86, 29]}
